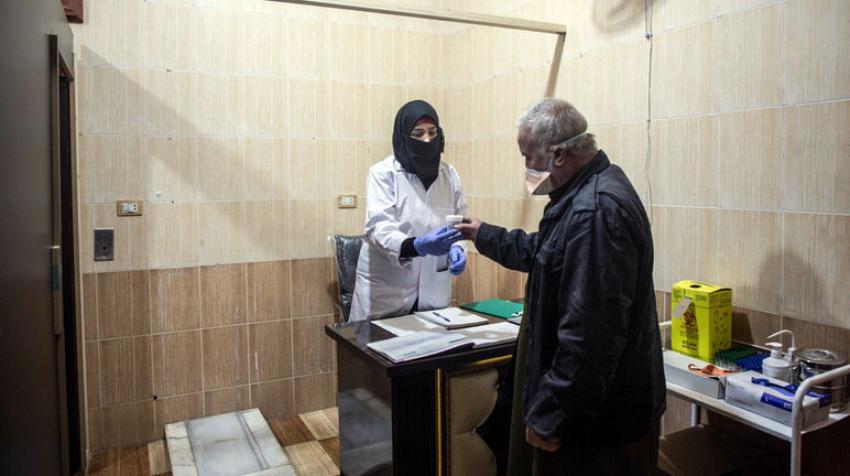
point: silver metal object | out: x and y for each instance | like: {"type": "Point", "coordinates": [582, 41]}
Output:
{"type": "Point", "coordinates": [817, 361]}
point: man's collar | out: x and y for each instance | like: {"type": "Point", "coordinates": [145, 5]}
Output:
{"type": "Point", "coordinates": [598, 163]}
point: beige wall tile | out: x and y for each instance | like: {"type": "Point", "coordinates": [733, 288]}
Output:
{"type": "Point", "coordinates": [89, 294]}
{"type": "Point", "coordinates": [749, 159]}
{"type": "Point", "coordinates": [307, 42]}
{"type": "Point", "coordinates": [271, 351]}
{"type": "Point", "coordinates": [817, 63]}
{"type": "Point", "coordinates": [123, 303]}
{"type": "Point", "coordinates": [613, 83]}
{"type": "Point", "coordinates": [171, 168]}
{"type": "Point", "coordinates": [484, 279]}
{"type": "Point", "coordinates": [262, 44]}
{"type": "Point", "coordinates": [128, 424]}
{"type": "Point", "coordinates": [226, 400]}
{"type": "Point", "coordinates": [172, 234]}
{"type": "Point", "coordinates": [683, 67]}
{"type": "Point", "coordinates": [175, 299]}
{"type": "Point", "coordinates": [313, 351]}
{"type": "Point", "coordinates": [384, 102]}
{"type": "Point", "coordinates": [221, 169]}
{"type": "Point", "coordinates": [753, 39]}
{"type": "Point", "coordinates": [750, 258]}
{"type": "Point", "coordinates": [347, 51]}
{"type": "Point", "coordinates": [311, 223]}
{"type": "Point", "coordinates": [593, 24]}
{"type": "Point", "coordinates": [226, 361]}
{"type": "Point", "coordinates": [262, 159]}
{"type": "Point", "coordinates": [811, 334]}
{"type": "Point", "coordinates": [814, 263]}
{"type": "Point", "coordinates": [95, 430]}
{"type": "Point", "coordinates": [690, 246]}
{"type": "Point", "coordinates": [221, 237]}
{"type": "Point", "coordinates": [259, 230]}
{"type": "Point", "coordinates": [625, 145]}
{"type": "Point", "coordinates": [177, 363]}
{"type": "Point", "coordinates": [281, 221]}
{"type": "Point", "coordinates": [174, 409]}
{"type": "Point", "coordinates": [92, 375]}
{"type": "Point", "coordinates": [125, 370]}
{"type": "Point", "coordinates": [673, 15]}
{"type": "Point", "coordinates": [509, 284]}
{"type": "Point", "coordinates": [269, 290]}
{"type": "Point", "coordinates": [816, 168]}
{"type": "Point", "coordinates": [315, 392]}
{"type": "Point", "coordinates": [725, 7]}
{"type": "Point", "coordinates": [462, 285]}
{"type": "Point", "coordinates": [273, 398]}
{"type": "Point", "coordinates": [683, 169]}
{"type": "Point", "coordinates": [305, 159]}
{"type": "Point", "coordinates": [223, 295]}
{"type": "Point", "coordinates": [308, 105]}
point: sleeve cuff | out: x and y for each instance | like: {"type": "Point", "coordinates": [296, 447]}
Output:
{"type": "Point", "coordinates": [407, 250]}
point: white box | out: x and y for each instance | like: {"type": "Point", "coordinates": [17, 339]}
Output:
{"type": "Point", "coordinates": [676, 371]}
{"type": "Point", "coordinates": [770, 402]}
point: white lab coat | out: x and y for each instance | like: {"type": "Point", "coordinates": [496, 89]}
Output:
{"type": "Point", "coordinates": [398, 207]}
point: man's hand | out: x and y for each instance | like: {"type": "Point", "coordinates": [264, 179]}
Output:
{"type": "Point", "coordinates": [469, 228]}
{"type": "Point", "coordinates": [535, 440]}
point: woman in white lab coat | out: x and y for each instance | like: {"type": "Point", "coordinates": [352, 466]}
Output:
{"type": "Point", "coordinates": [409, 254]}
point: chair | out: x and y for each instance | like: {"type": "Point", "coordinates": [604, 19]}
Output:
{"type": "Point", "coordinates": [347, 251]}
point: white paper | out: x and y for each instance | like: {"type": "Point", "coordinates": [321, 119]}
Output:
{"type": "Point", "coordinates": [491, 334]}
{"type": "Point", "coordinates": [452, 317]}
{"type": "Point", "coordinates": [405, 325]}
{"type": "Point", "coordinates": [420, 344]}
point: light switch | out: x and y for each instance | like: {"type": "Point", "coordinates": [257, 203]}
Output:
{"type": "Point", "coordinates": [346, 201]}
{"type": "Point", "coordinates": [129, 208]}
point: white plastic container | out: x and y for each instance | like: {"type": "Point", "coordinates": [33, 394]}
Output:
{"type": "Point", "coordinates": [775, 366]}
{"type": "Point", "coordinates": [453, 220]}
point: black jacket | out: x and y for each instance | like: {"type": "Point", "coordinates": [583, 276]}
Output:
{"type": "Point", "coordinates": [593, 368]}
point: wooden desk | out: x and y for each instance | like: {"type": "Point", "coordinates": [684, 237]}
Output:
{"type": "Point", "coordinates": [391, 415]}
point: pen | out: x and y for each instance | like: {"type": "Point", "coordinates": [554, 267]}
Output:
{"type": "Point", "coordinates": [441, 316]}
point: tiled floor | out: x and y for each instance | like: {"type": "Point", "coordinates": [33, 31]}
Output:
{"type": "Point", "coordinates": [310, 440]}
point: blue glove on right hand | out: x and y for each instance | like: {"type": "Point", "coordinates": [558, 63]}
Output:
{"type": "Point", "coordinates": [437, 242]}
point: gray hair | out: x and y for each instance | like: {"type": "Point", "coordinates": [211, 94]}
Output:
{"type": "Point", "coordinates": [551, 121]}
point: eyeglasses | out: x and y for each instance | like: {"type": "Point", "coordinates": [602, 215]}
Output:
{"type": "Point", "coordinates": [421, 133]}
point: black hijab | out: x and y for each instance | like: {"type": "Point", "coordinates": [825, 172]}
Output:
{"type": "Point", "coordinates": [416, 156]}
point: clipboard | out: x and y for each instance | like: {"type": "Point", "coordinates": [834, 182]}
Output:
{"type": "Point", "coordinates": [496, 308]}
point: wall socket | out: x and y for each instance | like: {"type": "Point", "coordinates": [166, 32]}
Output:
{"type": "Point", "coordinates": [129, 208]}
{"type": "Point", "coordinates": [346, 201]}
{"type": "Point", "coordinates": [104, 244]}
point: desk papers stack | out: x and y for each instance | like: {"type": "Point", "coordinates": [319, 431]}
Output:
{"type": "Point", "coordinates": [419, 344]}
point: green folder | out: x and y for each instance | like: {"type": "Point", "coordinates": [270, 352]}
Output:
{"type": "Point", "coordinates": [495, 307]}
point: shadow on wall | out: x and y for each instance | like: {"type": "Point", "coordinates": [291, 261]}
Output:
{"type": "Point", "coordinates": [615, 15]}
{"type": "Point", "coordinates": [808, 301]}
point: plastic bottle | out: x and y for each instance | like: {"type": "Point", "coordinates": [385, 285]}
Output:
{"type": "Point", "coordinates": [775, 366]}
{"type": "Point", "coordinates": [790, 356]}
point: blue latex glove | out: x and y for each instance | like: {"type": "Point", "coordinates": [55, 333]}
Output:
{"type": "Point", "coordinates": [457, 260]}
{"type": "Point", "coordinates": [436, 242]}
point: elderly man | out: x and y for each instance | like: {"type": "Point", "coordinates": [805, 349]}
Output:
{"type": "Point", "coordinates": [589, 388]}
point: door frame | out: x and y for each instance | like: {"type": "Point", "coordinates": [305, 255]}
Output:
{"type": "Point", "coordinates": [59, 69]}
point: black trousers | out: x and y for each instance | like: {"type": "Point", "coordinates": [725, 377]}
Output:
{"type": "Point", "coordinates": [636, 458]}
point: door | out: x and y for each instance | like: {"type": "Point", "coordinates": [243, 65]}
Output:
{"type": "Point", "coordinates": [63, 259]}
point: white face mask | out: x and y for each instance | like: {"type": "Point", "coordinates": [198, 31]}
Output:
{"type": "Point", "coordinates": [538, 182]}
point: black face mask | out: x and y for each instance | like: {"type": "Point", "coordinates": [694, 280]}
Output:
{"type": "Point", "coordinates": [416, 156]}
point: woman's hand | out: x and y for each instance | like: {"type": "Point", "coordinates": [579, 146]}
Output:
{"type": "Point", "coordinates": [469, 228]}
{"type": "Point", "coordinates": [436, 242]}
{"type": "Point", "coordinates": [457, 260]}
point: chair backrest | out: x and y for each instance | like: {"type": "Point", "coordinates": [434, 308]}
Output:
{"type": "Point", "coordinates": [347, 249]}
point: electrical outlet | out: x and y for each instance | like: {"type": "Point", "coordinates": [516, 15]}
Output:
{"type": "Point", "coordinates": [104, 244]}
{"type": "Point", "coordinates": [346, 201]}
{"type": "Point", "coordinates": [129, 208]}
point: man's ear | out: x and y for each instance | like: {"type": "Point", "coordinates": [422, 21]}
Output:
{"type": "Point", "coordinates": [560, 156]}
